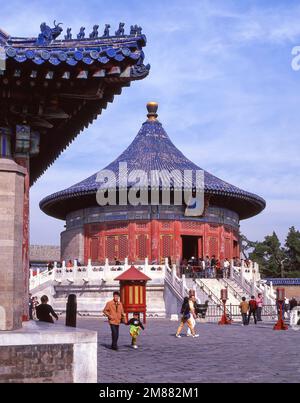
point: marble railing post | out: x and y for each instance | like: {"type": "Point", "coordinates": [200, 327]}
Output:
{"type": "Point", "coordinates": [183, 284]}
{"type": "Point", "coordinates": [63, 270]}
{"type": "Point", "coordinates": [173, 274]}
{"type": "Point", "coordinates": [106, 272]}
{"type": "Point", "coordinates": [243, 273]}
{"type": "Point", "coordinates": [89, 269]}
{"type": "Point", "coordinates": [75, 269]}
{"type": "Point", "coordinates": [38, 271]}
{"type": "Point", "coordinates": [55, 268]}
{"type": "Point", "coordinates": [146, 267]}
{"type": "Point", "coordinates": [126, 265]}
{"type": "Point", "coordinates": [231, 268]}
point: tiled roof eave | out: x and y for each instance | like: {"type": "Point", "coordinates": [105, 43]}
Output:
{"type": "Point", "coordinates": [64, 195]}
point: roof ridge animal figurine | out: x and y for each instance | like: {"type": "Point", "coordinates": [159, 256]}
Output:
{"type": "Point", "coordinates": [106, 31]}
{"type": "Point", "coordinates": [48, 34]}
{"type": "Point", "coordinates": [94, 33]}
{"type": "Point", "coordinates": [69, 35]}
{"type": "Point", "coordinates": [121, 30]}
{"type": "Point", "coordinates": [81, 34]}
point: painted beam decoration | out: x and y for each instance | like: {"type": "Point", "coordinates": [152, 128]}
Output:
{"type": "Point", "coordinates": [59, 82]}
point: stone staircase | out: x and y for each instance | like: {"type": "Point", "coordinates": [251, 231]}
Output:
{"type": "Point", "coordinates": [234, 287]}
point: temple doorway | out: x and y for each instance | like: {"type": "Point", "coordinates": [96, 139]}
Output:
{"type": "Point", "coordinates": [190, 247]}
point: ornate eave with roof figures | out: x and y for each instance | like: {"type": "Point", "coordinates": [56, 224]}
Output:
{"type": "Point", "coordinates": [58, 87]}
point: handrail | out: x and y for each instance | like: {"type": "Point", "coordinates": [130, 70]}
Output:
{"type": "Point", "coordinates": [210, 294]}
{"type": "Point", "coordinates": [235, 292]}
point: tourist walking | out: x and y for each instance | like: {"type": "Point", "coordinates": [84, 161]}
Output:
{"type": "Point", "coordinates": [244, 307]}
{"type": "Point", "coordinates": [259, 303]}
{"type": "Point", "coordinates": [45, 312]}
{"type": "Point", "coordinates": [287, 307]}
{"type": "Point", "coordinates": [135, 327]}
{"type": "Point", "coordinates": [201, 265]}
{"type": "Point", "coordinates": [226, 267]}
{"type": "Point", "coordinates": [218, 269]}
{"type": "Point", "coordinates": [115, 313]}
{"type": "Point", "coordinates": [252, 309]}
{"type": "Point", "coordinates": [192, 305]}
{"type": "Point", "coordinates": [293, 303]}
{"type": "Point", "coordinates": [30, 304]}
{"type": "Point", "coordinates": [35, 303]}
{"type": "Point", "coordinates": [207, 267]}
{"type": "Point", "coordinates": [213, 263]}
{"type": "Point", "coordinates": [186, 318]}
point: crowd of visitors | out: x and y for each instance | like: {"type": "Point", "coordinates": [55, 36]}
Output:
{"type": "Point", "coordinates": [205, 268]}
{"type": "Point", "coordinates": [254, 308]}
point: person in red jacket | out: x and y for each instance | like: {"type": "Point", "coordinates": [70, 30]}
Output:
{"type": "Point", "coordinates": [252, 309]}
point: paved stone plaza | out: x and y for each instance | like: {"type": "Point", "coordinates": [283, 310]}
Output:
{"type": "Point", "coordinates": [221, 354]}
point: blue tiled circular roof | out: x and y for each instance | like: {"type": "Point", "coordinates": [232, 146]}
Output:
{"type": "Point", "coordinates": [152, 150]}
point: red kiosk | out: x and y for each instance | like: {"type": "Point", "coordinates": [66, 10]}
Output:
{"type": "Point", "coordinates": [224, 297]}
{"type": "Point", "coordinates": [280, 325]}
{"type": "Point", "coordinates": [133, 291]}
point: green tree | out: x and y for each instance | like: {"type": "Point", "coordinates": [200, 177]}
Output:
{"type": "Point", "coordinates": [246, 245]}
{"type": "Point", "coordinates": [292, 245]}
{"type": "Point", "coordinates": [270, 256]}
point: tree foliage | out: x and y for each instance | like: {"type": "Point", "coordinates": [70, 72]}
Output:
{"type": "Point", "coordinates": [274, 259]}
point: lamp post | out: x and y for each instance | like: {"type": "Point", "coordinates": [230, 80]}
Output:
{"type": "Point", "coordinates": [280, 325]}
{"type": "Point", "coordinates": [224, 297]}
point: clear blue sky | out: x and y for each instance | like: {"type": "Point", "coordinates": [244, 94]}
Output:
{"type": "Point", "coordinates": [229, 99]}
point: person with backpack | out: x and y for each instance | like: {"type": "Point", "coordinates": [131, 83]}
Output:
{"type": "Point", "coordinates": [252, 309]}
{"type": "Point", "coordinates": [186, 318]}
{"type": "Point", "coordinates": [244, 307]}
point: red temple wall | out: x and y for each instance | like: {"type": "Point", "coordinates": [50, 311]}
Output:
{"type": "Point", "coordinates": [157, 240]}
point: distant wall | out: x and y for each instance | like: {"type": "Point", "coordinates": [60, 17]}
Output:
{"type": "Point", "coordinates": [292, 291]}
{"type": "Point", "coordinates": [72, 244]}
{"type": "Point", "coordinates": [44, 253]}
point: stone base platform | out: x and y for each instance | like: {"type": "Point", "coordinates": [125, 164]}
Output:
{"type": "Point", "coordinates": [48, 353]}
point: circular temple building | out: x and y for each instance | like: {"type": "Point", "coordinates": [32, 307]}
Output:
{"type": "Point", "coordinates": [154, 231]}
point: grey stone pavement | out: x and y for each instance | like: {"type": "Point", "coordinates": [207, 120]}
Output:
{"type": "Point", "coordinates": [221, 354]}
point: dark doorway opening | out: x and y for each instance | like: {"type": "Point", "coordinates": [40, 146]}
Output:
{"type": "Point", "coordinates": [189, 247]}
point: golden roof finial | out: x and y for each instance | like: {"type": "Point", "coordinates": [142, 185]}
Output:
{"type": "Point", "coordinates": [152, 108]}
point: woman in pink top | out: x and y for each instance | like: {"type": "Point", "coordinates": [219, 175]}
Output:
{"type": "Point", "coordinates": [259, 302]}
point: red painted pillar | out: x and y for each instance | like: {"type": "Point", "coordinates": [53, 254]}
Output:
{"type": "Point", "coordinates": [206, 251]}
{"type": "Point", "coordinates": [177, 242]}
{"type": "Point", "coordinates": [155, 241]}
{"type": "Point", "coordinates": [102, 244]}
{"type": "Point", "coordinates": [132, 242]}
{"type": "Point", "coordinates": [24, 162]}
{"type": "Point", "coordinates": [222, 242]}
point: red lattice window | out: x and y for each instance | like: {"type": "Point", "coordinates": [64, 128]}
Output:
{"type": "Point", "coordinates": [213, 246]}
{"type": "Point", "coordinates": [123, 246]}
{"type": "Point", "coordinates": [94, 249]}
{"type": "Point", "coordinates": [141, 225]}
{"type": "Point", "coordinates": [193, 225]}
{"type": "Point", "coordinates": [166, 246]}
{"type": "Point", "coordinates": [142, 246]}
{"type": "Point", "coordinates": [166, 225]}
{"type": "Point", "coordinates": [110, 247]}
